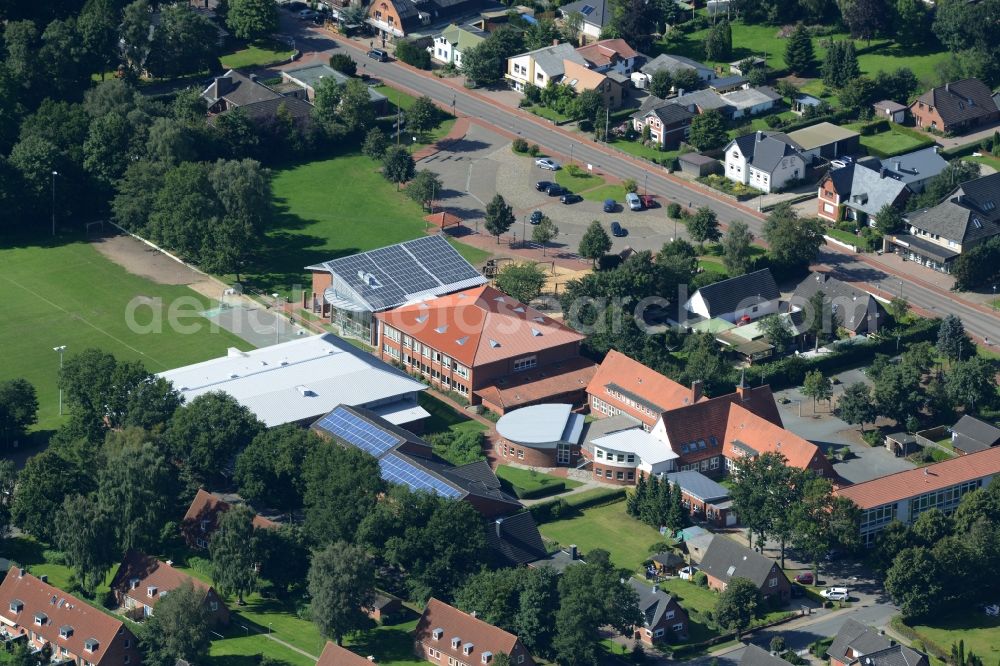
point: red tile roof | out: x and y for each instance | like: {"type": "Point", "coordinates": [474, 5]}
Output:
{"type": "Point", "coordinates": [763, 436]}
{"type": "Point", "coordinates": [540, 384]}
{"type": "Point", "coordinates": [636, 378]}
{"type": "Point", "coordinates": [334, 655]}
{"type": "Point", "coordinates": [479, 326]}
{"type": "Point", "coordinates": [443, 219]}
{"type": "Point", "coordinates": [61, 609]}
{"type": "Point", "coordinates": [150, 572]}
{"type": "Point", "coordinates": [914, 482]}
{"type": "Point", "coordinates": [600, 53]}
{"type": "Point", "coordinates": [483, 636]}
{"type": "Point", "coordinates": [206, 506]}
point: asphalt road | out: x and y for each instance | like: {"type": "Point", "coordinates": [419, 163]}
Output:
{"type": "Point", "coordinates": [562, 144]}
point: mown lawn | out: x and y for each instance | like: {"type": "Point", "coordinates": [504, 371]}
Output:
{"type": "Point", "coordinates": [584, 181]}
{"type": "Point", "coordinates": [257, 54]}
{"type": "Point", "coordinates": [636, 149]}
{"type": "Point", "coordinates": [247, 650]}
{"type": "Point", "coordinates": [443, 417]}
{"type": "Point", "coordinates": [979, 631]}
{"type": "Point", "coordinates": [549, 114]}
{"type": "Point", "coordinates": [391, 645]}
{"type": "Point", "coordinates": [67, 293]}
{"type": "Point", "coordinates": [607, 527]}
{"type": "Point", "coordinates": [616, 192]}
{"type": "Point", "coordinates": [530, 480]}
{"type": "Point", "coordinates": [896, 141]}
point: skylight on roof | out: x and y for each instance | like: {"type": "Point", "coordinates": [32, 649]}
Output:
{"type": "Point", "coordinates": [535, 332]}
{"type": "Point", "coordinates": [494, 344]}
{"type": "Point", "coordinates": [462, 340]}
{"type": "Point", "coordinates": [421, 319]}
{"type": "Point", "coordinates": [441, 329]}
{"type": "Point", "coordinates": [519, 308]}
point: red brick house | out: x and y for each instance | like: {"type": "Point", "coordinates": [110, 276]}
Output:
{"type": "Point", "coordinates": [703, 498]}
{"type": "Point", "coordinates": [447, 636]}
{"type": "Point", "coordinates": [142, 580]}
{"type": "Point", "coordinates": [622, 385]}
{"type": "Point", "coordinates": [75, 631]}
{"type": "Point", "coordinates": [750, 435]}
{"type": "Point", "coordinates": [383, 607]}
{"type": "Point", "coordinates": [668, 123]}
{"type": "Point", "coordinates": [202, 519]}
{"type": "Point", "coordinates": [334, 655]}
{"type": "Point", "coordinates": [955, 107]}
{"type": "Point", "coordinates": [663, 618]}
{"type": "Point", "coordinates": [480, 342]}
{"type": "Point", "coordinates": [726, 559]}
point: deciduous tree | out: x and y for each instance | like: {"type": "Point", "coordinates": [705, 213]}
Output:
{"type": "Point", "coordinates": [35, 506]}
{"type": "Point", "coordinates": [777, 331]}
{"type": "Point", "coordinates": [913, 582]}
{"type": "Point", "coordinates": [972, 384]}
{"type": "Point", "coordinates": [660, 82]}
{"type": "Point", "coordinates": [424, 188]}
{"type": "Point", "coordinates": [523, 281]}
{"type": "Point", "coordinates": [719, 41]}
{"type": "Point", "coordinates": [422, 115]}
{"type": "Point", "coordinates": [817, 386]}
{"type": "Point", "coordinates": [134, 490]}
{"type": "Point", "coordinates": [269, 470]}
{"type": "Point", "coordinates": [544, 232]}
{"type": "Point", "coordinates": [341, 586]}
{"type": "Point", "coordinates": [708, 130]}
{"type": "Point", "coordinates": [738, 605]}
{"type": "Point", "coordinates": [793, 242]}
{"type": "Point", "coordinates": [84, 533]}
{"type": "Point", "coordinates": [342, 487]}
{"type": "Point", "coordinates": [18, 410]}
{"type": "Point", "coordinates": [235, 553]}
{"type": "Point", "coordinates": [856, 405]}
{"type": "Point", "coordinates": [398, 165]}
{"type": "Point", "coordinates": [704, 225]}
{"type": "Point", "coordinates": [206, 433]}
{"type": "Point", "coordinates": [252, 19]}
{"type": "Point", "coordinates": [375, 143]}
{"type": "Point", "coordinates": [499, 216]}
{"type": "Point", "coordinates": [595, 242]}
{"type": "Point", "coordinates": [178, 630]}
{"type": "Point", "coordinates": [737, 255]}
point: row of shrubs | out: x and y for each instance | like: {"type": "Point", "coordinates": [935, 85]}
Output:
{"type": "Point", "coordinates": [553, 488]}
{"type": "Point", "coordinates": [521, 147]}
{"type": "Point", "coordinates": [547, 512]}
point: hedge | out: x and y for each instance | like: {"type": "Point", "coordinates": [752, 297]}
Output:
{"type": "Point", "coordinates": [553, 488]}
{"type": "Point", "coordinates": [547, 512]}
{"type": "Point", "coordinates": [908, 631]}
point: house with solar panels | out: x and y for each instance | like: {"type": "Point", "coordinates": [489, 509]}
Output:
{"type": "Point", "coordinates": [348, 291]}
{"type": "Point", "coordinates": [407, 460]}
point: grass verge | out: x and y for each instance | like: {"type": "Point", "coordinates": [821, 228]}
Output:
{"type": "Point", "coordinates": [607, 527]}
{"type": "Point", "coordinates": [257, 54]}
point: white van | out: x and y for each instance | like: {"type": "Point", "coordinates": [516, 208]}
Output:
{"type": "Point", "coordinates": [836, 593]}
{"type": "Point", "coordinates": [633, 201]}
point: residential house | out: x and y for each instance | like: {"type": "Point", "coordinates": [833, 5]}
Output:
{"type": "Point", "coordinates": [700, 101]}
{"type": "Point", "coordinates": [749, 436]}
{"type": "Point", "coordinates": [610, 55]}
{"type": "Point", "coordinates": [453, 41]}
{"type": "Point", "coordinates": [956, 107]}
{"type": "Point", "coordinates": [476, 341]}
{"type": "Point", "coordinates": [903, 496]}
{"type": "Point", "coordinates": [739, 299]}
{"type": "Point", "coordinates": [668, 123]}
{"type": "Point", "coordinates": [142, 580]}
{"type": "Point", "coordinates": [663, 619]}
{"type": "Point", "coordinates": [596, 15]}
{"type": "Point", "coordinates": [334, 655]}
{"type": "Point", "coordinates": [300, 380]}
{"type": "Point", "coordinates": [515, 540]}
{"type": "Point", "coordinates": [751, 101]}
{"type": "Point", "coordinates": [580, 78]}
{"type": "Point", "coordinates": [858, 645]}
{"type": "Point", "coordinates": [889, 110]}
{"type": "Point", "coordinates": [937, 236]}
{"type": "Point", "coordinates": [75, 631]}
{"type": "Point", "coordinates": [726, 559]}
{"type": "Point", "coordinates": [915, 169]}
{"type": "Point", "coordinates": [703, 498]}
{"type": "Point", "coordinates": [444, 634]}
{"type": "Point", "coordinates": [675, 64]}
{"type": "Point", "coordinates": [854, 309]}
{"type": "Point", "coordinates": [393, 19]}
{"type": "Point", "coordinates": [971, 435]}
{"type": "Point", "coordinates": [755, 656]}
{"type": "Point", "coordinates": [767, 161]}
{"type": "Point", "coordinates": [407, 460]}
{"type": "Point", "coordinates": [825, 140]}
{"type": "Point", "coordinates": [235, 90]}
{"type": "Point", "coordinates": [347, 291]}
{"type": "Point", "coordinates": [858, 192]}
{"type": "Point", "coordinates": [307, 78]}
{"type": "Point", "coordinates": [540, 66]}
{"type": "Point", "coordinates": [202, 519]}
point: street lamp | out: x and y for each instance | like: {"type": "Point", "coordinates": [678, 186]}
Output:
{"type": "Point", "coordinates": [60, 349]}
{"type": "Point", "coordinates": [900, 290]}
{"type": "Point", "coordinates": [645, 180]}
{"type": "Point", "coordinates": [54, 174]}
{"type": "Point", "coordinates": [994, 298]}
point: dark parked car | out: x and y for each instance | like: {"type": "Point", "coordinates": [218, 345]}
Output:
{"type": "Point", "coordinates": [570, 198]}
{"type": "Point", "coordinates": [536, 217]}
{"type": "Point", "coordinates": [556, 190]}
{"type": "Point", "coordinates": [378, 54]}
{"type": "Point", "coordinates": [617, 230]}
{"type": "Point", "coordinates": [543, 185]}
{"type": "Point", "coordinates": [648, 201]}
{"type": "Point", "coordinates": [610, 205]}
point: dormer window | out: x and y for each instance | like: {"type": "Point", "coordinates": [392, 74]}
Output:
{"type": "Point", "coordinates": [151, 591]}
{"type": "Point", "coordinates": [455, 642]}
{"type": "Point", "coordinates": [91, 645]}
{"type": "Point", "coordinates": [133, 583]}
{"type": "Point", "coordinates": [487, 657]}
{"type": "Point", "coordinates": [437, 633]}
{"type": "Point", "coordinates": [16, 605]}
{"type": "Point", "coordinates": [467, 649]}
{"type": "Point", "coordinates": [41, 619]}
{"type": "Point", "coordinates": [65, 631]}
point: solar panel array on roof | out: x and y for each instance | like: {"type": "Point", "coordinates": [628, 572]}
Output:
{"type": "Point", "coordinates": [427, 250]}
{"type": "Point", "coordinates": [357, 432]}
{"type": "Point", "coordinates": [397, 470]}
{"type": "Point", "coordinates": [586, 10]}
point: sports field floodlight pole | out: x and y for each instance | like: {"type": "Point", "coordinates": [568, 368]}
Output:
{"type": "Point", "coordinates": [61, 349]}
{"type": "Point", "coordinates": [54, 174]}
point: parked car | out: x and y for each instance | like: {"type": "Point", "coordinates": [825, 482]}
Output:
{"type": "Point", "coordinates": [570, 198]}
{"type": "Point", "coordinates": [556, 190]}
{"type": "Point", "coordinates": [687, 572]}
{"type": "Point", "coordinates": [543, 185]}
{"type": "Point", "coordinates": [546, 163]}
{"type": "Point", "coordinates": [610, 205]}
{"type": "Point", "coordinates": [836, 594]}
{"type": "Point", "coordinates": [633, 201]}
{"type": "Point", "coordinates": [805, 577]}
{"type": "Point", "coordinates": [617, 229]}
{"type": "Point", "coordinates": [536, 217]}
{"type": "Point", "coordinates": [307, 15]}
{"type": "Point", "coordinates": [378, 54]}
{"type": "Point", "coordinates": [649, 201]}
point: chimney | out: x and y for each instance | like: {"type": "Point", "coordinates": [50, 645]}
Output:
{"type": "Point", "coordinates": [43, 578]}
{"type": "Point", "coordinates": [572, 551]}
{"type": "Point", "coordinates": [881, 172]}
{"type": "Point", "coordinates": [371, 658]}
{"type": "Point", "coordinates": [935, 148]}
{"type": "Point", "coordinates": [472, 613]}
{"type": "Point", "coordinates": [760, 135]}
{"type": "Point", "coordinates": [947, 87]}
{"type": "Point", "coordinates": [21, 572]}
{"type": "Point", "coordinates": [656, 588]}
{"type": "Point", "coordinates": [555, 42]}
{"type": "Point", "coordinates": [696, 391]}
{"type": "Point", "coordinates": [897, 165]}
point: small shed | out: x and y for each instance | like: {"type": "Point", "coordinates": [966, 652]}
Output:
{"type": "Point", "coordinates": [901, 444]}
{"type": "Point", "coordinates": [443, 219]}
{"type": "Point", "coordinates": [803, 102]}
{"type": "Point", "coordinates": [752, 61]}
{"type": "Point", "coordinates": [668, 562]}
{"type": "Point", "coordinates": [889, 110]}
{"type": "Point", "coordinates": [384, 607]}
{"type": "Point", "coordinates": [698, 165]}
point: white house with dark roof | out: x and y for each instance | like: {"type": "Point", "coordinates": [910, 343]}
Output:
{"type": "Point", "coordinates": [676, 63]}
{"type": "Point", "coordinates": [596, 14]}
{"type": "Point", "coordinates": [766, 161]}
{"type": "Point", "coordinates": [738, 299]}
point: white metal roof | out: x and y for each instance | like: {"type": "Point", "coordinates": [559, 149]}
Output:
{"type": "Point", "coordinates": [636, 440]}
{"type": "Point", "coordinates": [542, 426]}
{"type": "Point", "coordinates": [302, 379]}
